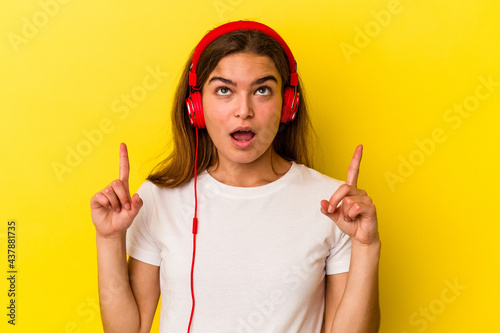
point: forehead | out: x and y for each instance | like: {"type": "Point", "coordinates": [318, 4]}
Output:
{"type": "Point", "coordinates": [241, 66]}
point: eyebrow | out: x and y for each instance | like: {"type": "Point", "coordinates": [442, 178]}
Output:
{"type": "Point", "coordinates": [256, 82]}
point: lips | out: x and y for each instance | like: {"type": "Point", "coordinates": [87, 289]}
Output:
{"type": "Point", "coordinates": [243, 137]}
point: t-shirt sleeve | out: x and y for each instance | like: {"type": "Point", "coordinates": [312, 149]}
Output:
{"type": "Point", "coordinates": [140, 243]}
{"type": "Point", "coordinates": [340, 254]}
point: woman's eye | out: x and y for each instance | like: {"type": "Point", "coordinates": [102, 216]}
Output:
{"type": "Point", "coordinates": [223, 91]}
{"type": "Point", "coordinates": [265, 91]}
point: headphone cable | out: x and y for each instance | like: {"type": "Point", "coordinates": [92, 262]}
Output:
{"type": "Point", "coordinates": [195, 230]}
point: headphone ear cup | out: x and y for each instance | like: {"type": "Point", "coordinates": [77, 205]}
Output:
{"type": "Point", "coordinates": [195, 109]}
{"type": "Point", "coordinates": [291, 100]}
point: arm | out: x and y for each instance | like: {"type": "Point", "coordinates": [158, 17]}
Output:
{"type": "Point", "coordinates": [145, 283]}
{"type": "Point", "coordinates": [352, 302]}
{"type": "Point", "coordinates": [128, 293]}
{"type": "Point", "coordinates": [335, 286]}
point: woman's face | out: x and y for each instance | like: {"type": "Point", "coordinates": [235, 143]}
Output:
{"type": "Point", "coordinates": [242, 107]}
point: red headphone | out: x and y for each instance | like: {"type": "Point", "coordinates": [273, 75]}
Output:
{"type": "Point", "coordinates": [291, 96]}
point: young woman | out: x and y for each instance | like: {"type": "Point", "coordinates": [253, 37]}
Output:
{"type": "Point", "coordinates": [234, 229]}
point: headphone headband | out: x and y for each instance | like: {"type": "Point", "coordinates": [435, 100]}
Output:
{"type": "Point", "coordinates": [291, 95]}
{"type": "Point", "coordinates": [241, 25]}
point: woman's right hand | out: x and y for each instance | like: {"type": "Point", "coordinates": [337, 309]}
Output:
{"type": "Point", "coordinates": [112, 209]}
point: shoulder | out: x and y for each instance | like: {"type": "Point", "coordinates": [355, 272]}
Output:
{"type": "Point", "coordinates": [306, 182]}
{"type": "Point", "coordinates": [154, 195]}
{"type": "Point", "coordinates": [147, 189]}
{"type": "Point", "coordinates": [312, 177]}
{"type": "Point", "coordinates": [151, 189]}
{"type": "Point", "coordinates": [159, 200]}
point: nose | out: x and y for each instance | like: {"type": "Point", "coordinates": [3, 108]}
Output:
{"type": "Point", "coordinates": [244, 108]}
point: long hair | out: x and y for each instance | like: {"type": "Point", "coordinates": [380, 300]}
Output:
{"type": "Point", "coordinates": [291, 143]}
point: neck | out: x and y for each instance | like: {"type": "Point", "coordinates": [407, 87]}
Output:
{"type": "Point", "coordinates": [265, 170]}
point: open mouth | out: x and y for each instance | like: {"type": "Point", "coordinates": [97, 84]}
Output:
{"type": "Point", "coordinates": [243, 136]}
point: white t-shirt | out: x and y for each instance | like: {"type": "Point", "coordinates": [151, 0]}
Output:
{"type": "Point", "coordinates": [262, 252]}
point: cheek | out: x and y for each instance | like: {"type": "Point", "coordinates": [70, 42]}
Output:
{"type": "Point", "coordinates": [214, 119]}
{"type": "Point", "coordinates": [208, 111]}
{"type": "Point", "coordinates": [275, 115]}
{"type": "Point", "coordinates": [269, 128]}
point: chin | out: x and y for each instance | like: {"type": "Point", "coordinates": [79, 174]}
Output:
{"type": "Point", "coordinates": [248, 157]}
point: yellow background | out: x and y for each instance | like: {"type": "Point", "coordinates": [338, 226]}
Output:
{"type": "Point", "coordinates": [439, 220]}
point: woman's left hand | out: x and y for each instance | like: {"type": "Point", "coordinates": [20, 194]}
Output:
{"type": "Point", "coordinates": [356, 215]}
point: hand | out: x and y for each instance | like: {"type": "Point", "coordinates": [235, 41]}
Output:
{"type": "Point", "coordinates": [112, 209]}
{"type": "Point", "coordinates": [356, 215]}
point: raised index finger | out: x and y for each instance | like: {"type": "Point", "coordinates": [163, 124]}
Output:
{"type": "Point", "coordinates": [124, 165]}
{"type": "Point", "coordinates": [353, 172]}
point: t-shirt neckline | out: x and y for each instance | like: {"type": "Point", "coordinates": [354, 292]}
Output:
{"type": "Point", "coordinates": [273, 186]}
